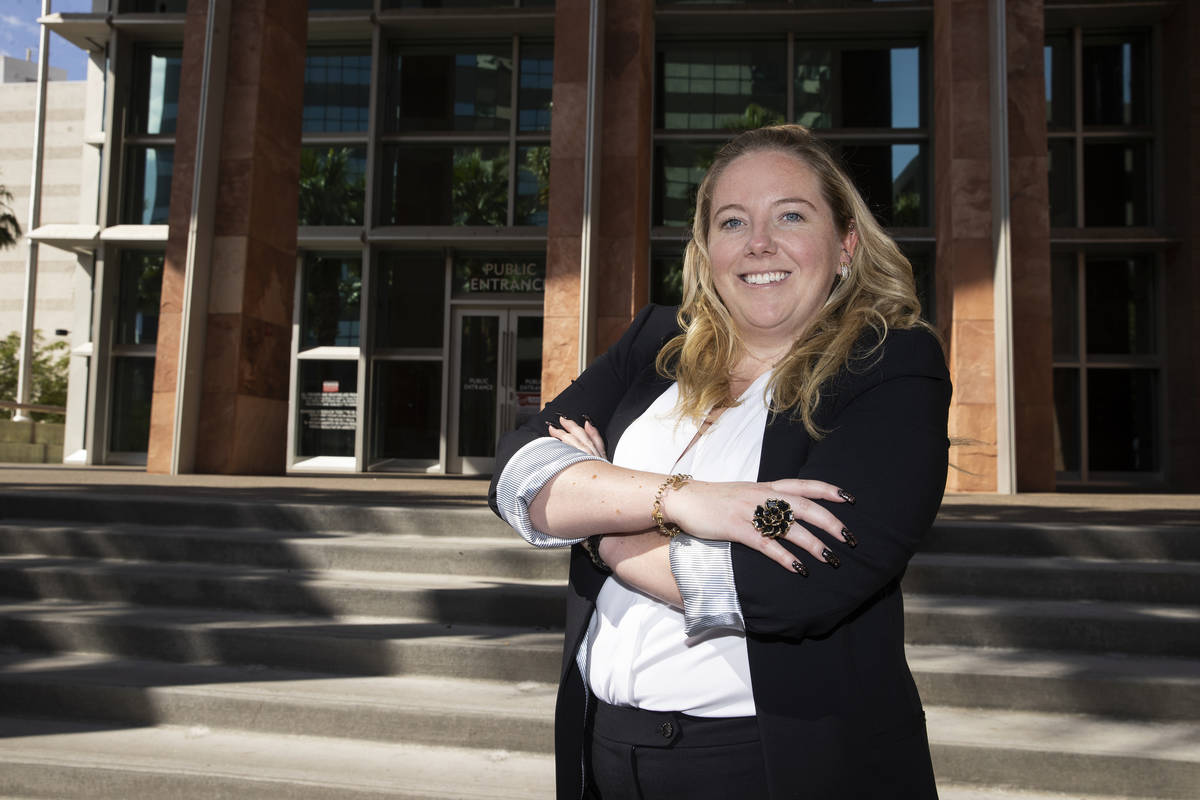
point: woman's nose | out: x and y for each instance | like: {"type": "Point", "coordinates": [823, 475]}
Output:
{"type": "Point", "coordinates": [760, 240]}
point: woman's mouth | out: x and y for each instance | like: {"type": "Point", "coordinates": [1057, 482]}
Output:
{"type": "Point", "coordinates": [763, 278]}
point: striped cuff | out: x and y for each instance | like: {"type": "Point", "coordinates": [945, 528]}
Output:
{"type": "Point", "coordinates": [703, 572]}
{"type": "Point", "coordinates": [529, 469]}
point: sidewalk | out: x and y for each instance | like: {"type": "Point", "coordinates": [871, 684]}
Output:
{"type": "Point", "coordinates": [415, 490]}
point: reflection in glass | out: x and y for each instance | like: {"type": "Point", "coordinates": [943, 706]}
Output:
{"type": "Point", "coordinates": [1116, 181]}
{"type": "Point", "coordinates": [1121, 299]}
{"type": "Point", "coordinates": [679, 168]}
{"type": "Point", "coordinates": [1066, 420]}
{"type": "Point", "coordinates": [666, 279]}
{"type": "Point", "coordinates": [893, 181]}
{"type": "Point", "coordinates": [337, 88]}
{"type": "Point", "coordinates": [332, 185]}
{"type": "Point", "coordinates": [1115, 85]}
{"type": "Point", "coordinates": [1064, 301]}
{"type": "Point", "coordinates": [721, 86]}
{"type": "Point", "coordinates": [453, 3]}
{"type": "Point", "coordinates": [858, 88]}
{"type": "Point", "coordinates": [410, 300]}
{"type": "Point", "coordinates": [533, 185]}
{"type": "Point", "coordinates": [328, 394]}
{"type": "Point", "coordinates": [339, 5]}
{"type": "Point", "coordinates": [1061, 157]}
{"type": "Point", "coordinates": [156, 90]}
{"type": "Point", "coordinates": [1060, 83]}
{"type": "Point", "coordinates": [535, 85]}
{"type": "Point", "coordinates": [132, 390]}
{"type": "Point", "coordinates": [332, 288]}
{"type": "Point", "coordinates": [1122, 420]}
{"type": "Point", "coordinates": [453, 88]}
{"type": "Point", "coordinates": [407, 404]}
{"type": "Point", "coordinates": [444, 185]}
{"type": "Point", "coordinates": [478, 374]}
{"type": "Point", "coordinates": [148, 185]}
{"type": "Point", "coordinates": [138, 297]}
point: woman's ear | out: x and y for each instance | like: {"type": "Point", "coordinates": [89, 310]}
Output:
{"type": "Point", "coordinates": [850, 240]}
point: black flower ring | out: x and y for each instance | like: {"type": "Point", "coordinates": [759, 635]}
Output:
{"type": "Point", "coordinates": [773, 518]}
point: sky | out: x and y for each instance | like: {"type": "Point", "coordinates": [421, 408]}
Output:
{"type": "Point", "coordinates": [19, 30]}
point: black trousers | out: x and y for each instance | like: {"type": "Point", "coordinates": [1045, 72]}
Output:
{"type": "Point", "coordinates": [663, 755]}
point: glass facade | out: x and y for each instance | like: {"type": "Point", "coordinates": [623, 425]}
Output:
{"type": "Point", "coordinates": [1107, 304]}
{"type": "Point", "coordinates": [149, 150]}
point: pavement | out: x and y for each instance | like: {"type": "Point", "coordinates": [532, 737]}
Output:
{"type": "Point", "coordinates": [406, 489]}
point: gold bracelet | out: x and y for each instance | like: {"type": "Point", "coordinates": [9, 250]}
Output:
{"type": "Point", "coordinates": [673, 482]}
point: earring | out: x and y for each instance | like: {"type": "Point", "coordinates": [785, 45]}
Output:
{"type": "Point", "coordinates": [844, 270]}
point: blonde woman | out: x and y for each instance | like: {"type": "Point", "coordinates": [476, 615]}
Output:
{"type": "Point", "coordinates": [742, 481]}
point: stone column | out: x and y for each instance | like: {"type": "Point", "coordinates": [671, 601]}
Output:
{"type": "Point", "coordinates": [963, 227]}
{"type": "Point", "coordinates": [1029, 199]}
{"type": "Point", "coordinates": [244, 402]}
{"type": "Point", "coordinates": [1181, 274]}
{"type": "Point", "coordinates": [621, 231]}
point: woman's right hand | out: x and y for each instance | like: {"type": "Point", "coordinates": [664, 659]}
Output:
{"type": "Point", "coordinates": [725, 511]}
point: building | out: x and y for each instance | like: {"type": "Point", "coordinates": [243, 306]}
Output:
{"type": "Point", "coordinates": [61, 182]}
{"type": "Point", "coordinates": [348, 237]}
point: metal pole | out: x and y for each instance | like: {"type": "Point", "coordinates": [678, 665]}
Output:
{"type": "Point", "coordinates": [25, 365]}
{"type": "Point", "coordinates": [1006, 438]}
{"type": "Point", "coordinates": [591, 158]}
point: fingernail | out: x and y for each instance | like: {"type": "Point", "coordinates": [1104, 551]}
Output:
{"type": "Point", "coordinates": [849, 498]}
{"type": "Point", "coordinates": [830, 558]}
{"type": "Point", "coordinates": [800, 568]}
{"type": "Point", "coordinates": [586, 417]}
{"type": "Point", "coordinates": [849, 538]}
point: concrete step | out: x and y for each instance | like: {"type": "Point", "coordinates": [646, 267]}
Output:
{"type": "Point", "coordinates": [1080, 539]}
{"type": "Point", "coordinates": [504, 557]}
{"type": "Point", "coordinates": [408, 709]}
{"type": "Point", "coordinates": [1142, 687]}
{"type": "Point", "coordinates": [1084, 626]}
{"type": "Point", "coordinates": [441, 516]}
{"type": "Point", "coordinates": [64, 760]}
{"type": "Point", "coordinates": [325, 593]}
{"type": "Point", "coordinates": [344, 645]}
{"type": "Point", "coordinates": [1079, 755]}
{"type": "Point", "coordinates": [962, 791]}
{"type": "Point", "coordinates": [1055, 577]}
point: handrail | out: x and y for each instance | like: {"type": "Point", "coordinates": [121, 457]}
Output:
{"type": "Point", "coordinates": [33, 407]}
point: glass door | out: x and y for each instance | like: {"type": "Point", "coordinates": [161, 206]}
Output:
{"type": "Point", "coordinates": [497, 382]}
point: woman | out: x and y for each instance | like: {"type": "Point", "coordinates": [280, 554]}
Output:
{"type": "Point", "coordinates": [756, 649]}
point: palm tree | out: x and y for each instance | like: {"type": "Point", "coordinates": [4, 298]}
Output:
{"type": "Point", "coordinates": [10, 229]}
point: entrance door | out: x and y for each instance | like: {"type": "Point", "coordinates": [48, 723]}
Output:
{"type": "Point", "coordinates": [497, 382]}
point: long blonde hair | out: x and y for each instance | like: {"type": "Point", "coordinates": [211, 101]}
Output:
{"type": "Point", "coordinates": [879, 293]}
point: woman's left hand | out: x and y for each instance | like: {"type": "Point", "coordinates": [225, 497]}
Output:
{"type": "Point", "coordinates": [584, 437]}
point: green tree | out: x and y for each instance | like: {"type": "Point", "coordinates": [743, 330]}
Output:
{"type": "Point", "coordinates": [330, 192]}
{"type": "Point", "coordinates": [10, 229]}
{"type": "Point", "coordinates": [480, 191]}
{"type": "Point", "coordinates": [49, 373]}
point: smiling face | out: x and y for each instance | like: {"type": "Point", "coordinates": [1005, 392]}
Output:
{"type": "Point", "coordinates": [773, 245]}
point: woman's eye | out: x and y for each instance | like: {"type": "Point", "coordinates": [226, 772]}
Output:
{"type": "Point", "coordinates": [793, 216]}
{"type": "Point", "coordinates": [732, 222]}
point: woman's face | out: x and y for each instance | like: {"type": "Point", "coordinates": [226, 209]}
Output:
{"type": "Point", "coordinates": [773, 246]}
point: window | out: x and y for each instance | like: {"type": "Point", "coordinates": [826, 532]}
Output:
{"type": "Point", "coordinates": [466, 134]}
{"type": "Point", "coordinates": [1106, 298]}
{"type": "Point", "coordinates": [333, 156]}
{"type": "Point", "coordinates": [867, 97]}
{"type": "Point", "coordinates": [150, 135]}
{"type": "Point", "coordinates": [134, 336]}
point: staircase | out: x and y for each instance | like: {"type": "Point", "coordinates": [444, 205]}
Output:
{"type": "Point", "coordinates": [172, 645]}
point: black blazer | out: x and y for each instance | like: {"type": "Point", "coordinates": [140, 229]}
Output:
{"type": "Point", "coordinates": [836, 704]}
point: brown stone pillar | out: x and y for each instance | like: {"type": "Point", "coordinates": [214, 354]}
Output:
{"type": "Point", "coordinates": [1029, 199]}
{"type": "Point", "coordinates": [244, 401]}
{"type": "Point", "coordinates": [963, 227]}
{"type": "Point", "coordinates": [621, 229]}
{"type": "Point", "coordinates": [1181, 276]}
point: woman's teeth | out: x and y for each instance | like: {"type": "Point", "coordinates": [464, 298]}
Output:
{"type": "Point", "coordinates": [764, 277]}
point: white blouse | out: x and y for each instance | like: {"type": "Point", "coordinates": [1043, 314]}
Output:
{"type": "Point", "coordinates": [637, 651]}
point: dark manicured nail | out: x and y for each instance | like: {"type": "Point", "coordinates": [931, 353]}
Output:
{"type": "Point", "coordinates": [848, 537]}
{"type": "Point", "coordinates": [849, 498]}
{"type": "Point", "coordinates": [830, 558]}
{"type": "Point", "coordinates": [800, 568]}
